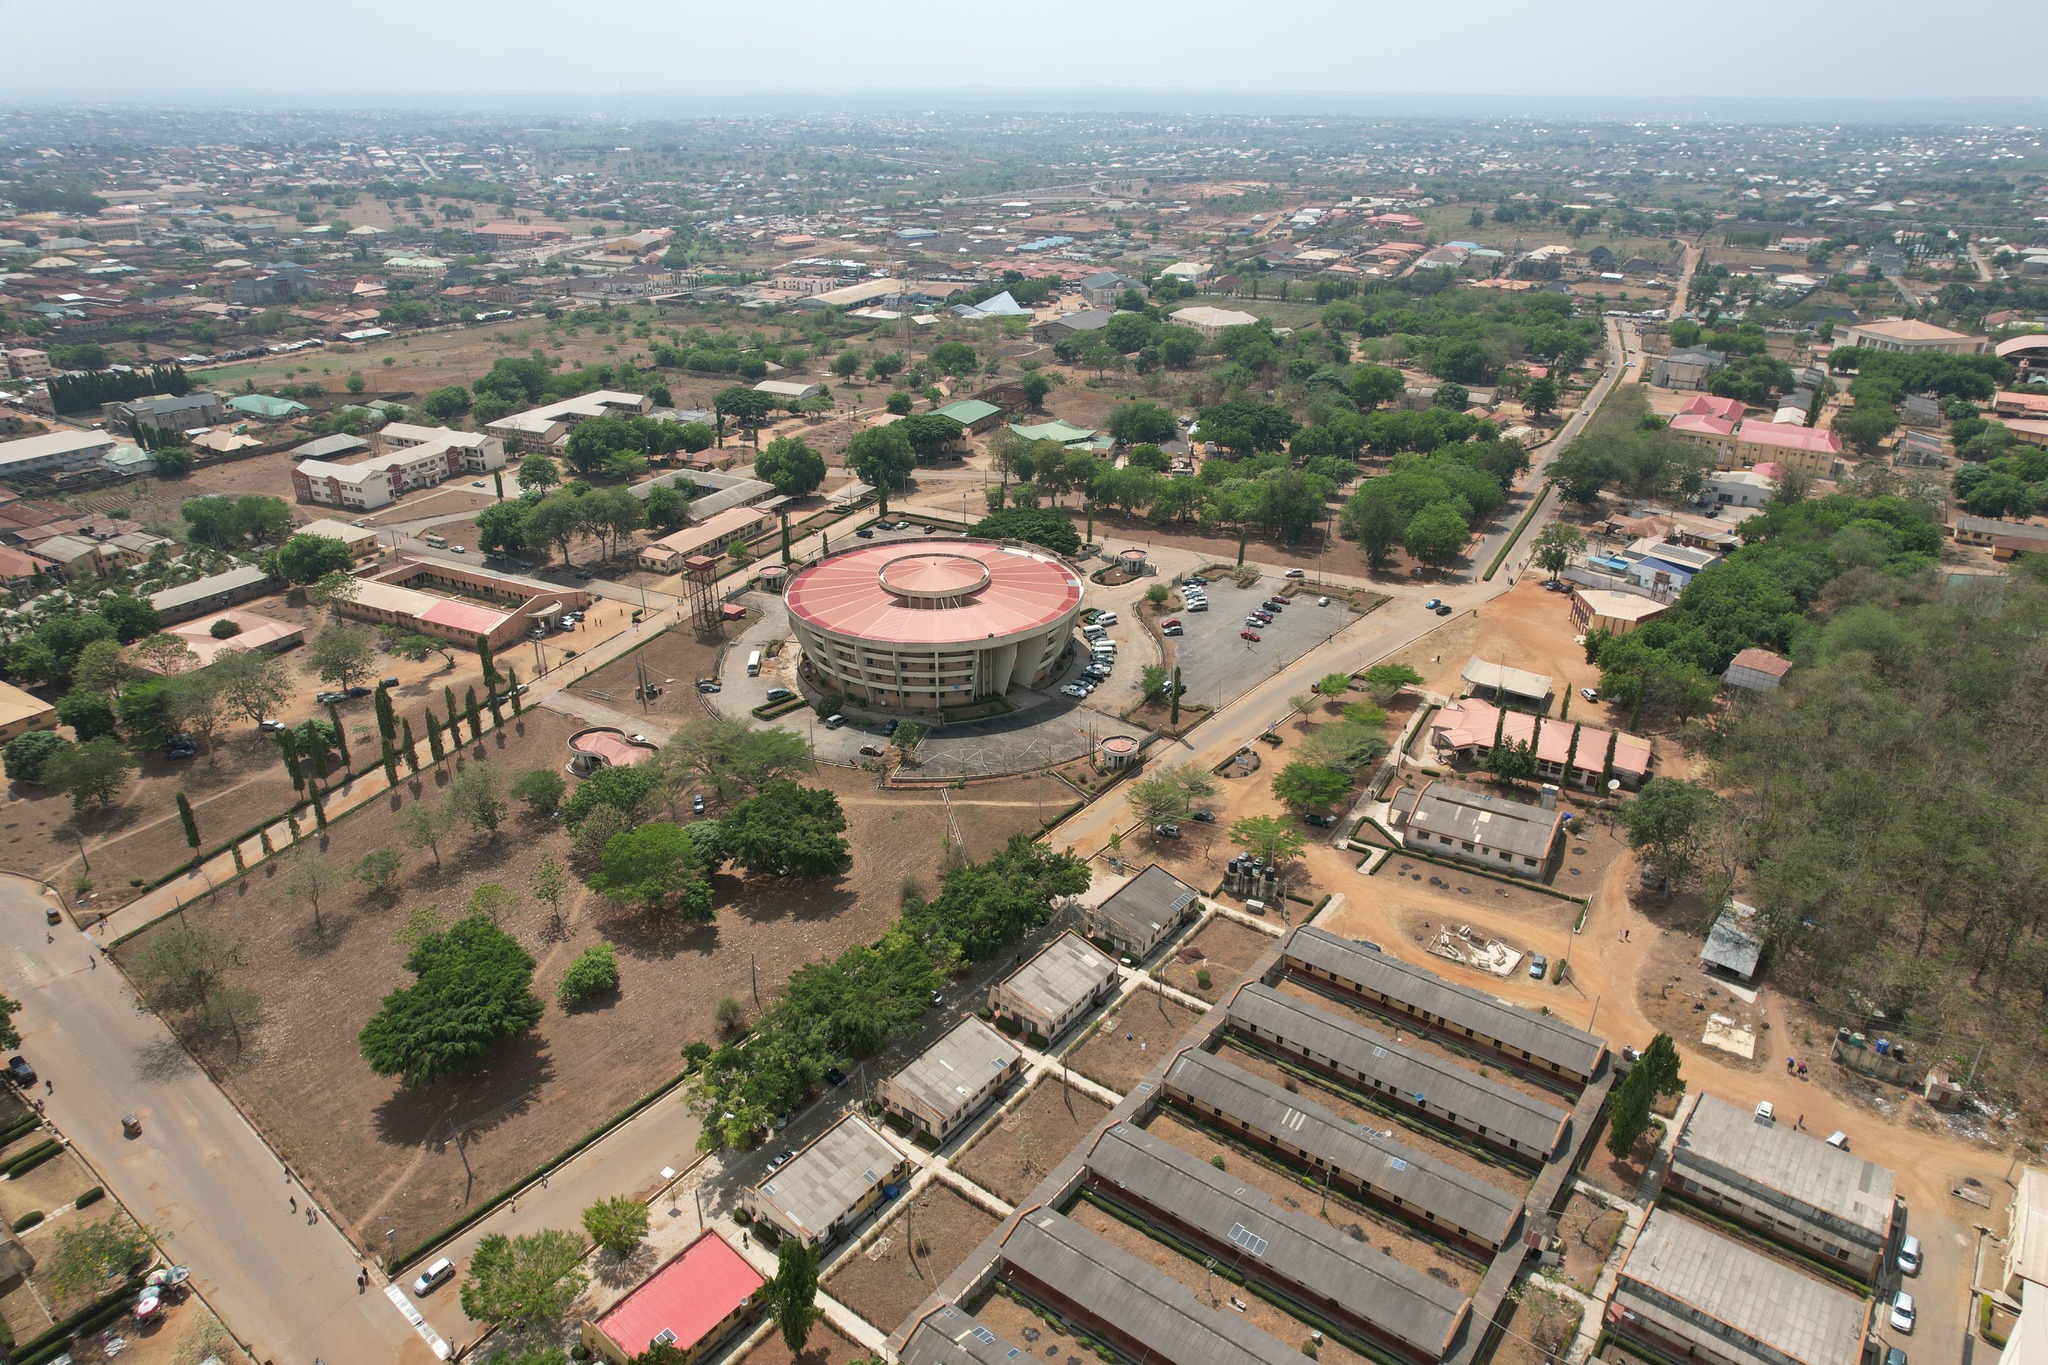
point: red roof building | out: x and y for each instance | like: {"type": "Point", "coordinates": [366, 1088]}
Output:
{"type": "Point", "coordinates": [694, 1303]}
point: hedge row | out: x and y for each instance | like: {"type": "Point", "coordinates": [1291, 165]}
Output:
{"type": "Point", "coordinates": [32, 1158]}
{"type": "Point", "coordinates": [50, 1343]}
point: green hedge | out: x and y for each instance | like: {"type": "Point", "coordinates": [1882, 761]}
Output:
{"type": "Point", "coordinates": [28, 1220]}
{"type": "Point", "coordinates": [33, 1157]}
{"type": "Point", "coordinates": [50, 1343]}
{"type": "Point", "coordinates": [89, 1198]}
{"type": "Point", "coordinates": [769, 710]}
{"type": "Point", "coordinates": [22, 1126]}
{"type": "Point", "coordinates": [1516, 534]}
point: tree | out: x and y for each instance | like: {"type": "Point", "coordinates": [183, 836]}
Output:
{"type": "Point", "coordinates": [1669, 822]}
{"type": "Point", "coordinates": [309, 558]}
{"type": "Point", "coordinates": [667, 509]}
{"type": "Point", "coordinates": [92, 773]}
{"type": "Point", "coordinates": [540, 789]}
{"type": "Point", "coordinates": [164, 654]}
{"type": "Point", "coordinates": [378, 870]}
{"type": "Point", "coordinates": [191, 971]}
{"type": "Point", "coordinates": [89, 714]}
{"type": "Point", "coordinates": [793, 1293]}
{"type": "Point", "coordinates": [473, 990]}
{"type": "Point", "coordinates": [549, 884]}
{"type": "Point", "coordinates": [1269, 837]}
{"type": "Point", "coordinates": [342, 654]}
{"type": "Point", "coordinates": [594, 971]}
{"type": "Point", "coordinates": [102, 667]}
{"type": "Point", "coordinates": [524, 1281]}
{"type": "Point", "coordinates": [1142, 422]}
{"type": "Point", "coordinates": [1372, 385]}
{"type": "Point", "coordinates": [28, 755]}
{"type": "Point", "coordinates": [416, 647]}
{"type": "Point", "coordinates": [423, 826]}
{"type": "Point", "coordinates": [1436, 535]}
{"type": "Point", "coordinates": [1511, 761]}
{"type": "Point", "coordinates": [88, 1258]}
{"type": "Point", "coordinates": [787, 831]}
{"type": "Point", "coordinates": [311, 878]}
{"type": "Point", "coordinates": [446, 404]}
{"type": "Point", "coordinates": [10, 1036]}
{"type": "Point", "coordinates": [1539, 397]}
{"type": "Point", "coordinates": [617, 1224]}
{"type": "Point", "coordinates": [881, 456]}
{"type": "Point", "coordinates": [477, 797]}
{"type": "Point", "coordinates": [789, 463]}
{"type": "Point", "coordinates": [656, 869]}
{"type": "Point", "coordinates": [540, 473]}
{"type": "Point", "coordinates": [1169, 794]}
{"type": "Point", "coordinates": [1378, 526]}
{"type": "Point", "coordinates": [982, 907]}
{"type": "Point", "coordinates": [251, 685]}
{"type": "Point", "coordinates": [1306, 786]}
{"type": "Point", "coordinates": [1038, 525]}
{"type": "Point", "coordinates": [1556, 544]}
{"type": "Point", "coordinates": [1867, 426]}
{"type": "Point", "coordinates": [1654, 1073]}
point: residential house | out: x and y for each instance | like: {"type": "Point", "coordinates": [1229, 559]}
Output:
{"type": "Point", "coordinates": [362, 541]}
{"type": "Point", "coordinates": [1057, 985]}
{"type": "Point", "coordinates": [26, 362]}
{"type": "Point", "coordinates": [1566, 752]}
{"type": "Point", "coordinates": [1211, 322]}
{"type": "Point", "coordinates": [267, 407]}
{"type": "Point", "coordinates": [700, 1298]}
{"type": "Point", "coordinates": [1910, 337]}
{"type": "Point", "coordinates": [1102, 290]}
{"type": "Point", "coordinates": [1145, 912]}
{"type": "Point", "coordinates": [952, 1080]}
{"type": "Point", "coordinates": [1479, 828]}
{"type": "Point", "coordinates": [1612, 610]}
{"type": "Point", "coordinates": [830, 1185]}
{"type": "Point", "coordinates": [1756, 669]}
{"type": "Point", "coordinates": [21, 712]}
{"type": "Point", "coordinates": [1073, 324]}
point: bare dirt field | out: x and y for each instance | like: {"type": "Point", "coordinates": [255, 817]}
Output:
{"type": "Point", "coordinates": [1227, 949]}
{"type": "Point", "coordinates": [1540, 1327]}
{"type": "Point", "coordinates": [826, 1346]}
{"type": "Point", "coordinates": [1588, 1232]}
{"type": "Point", "coordinates": [1154, 1025]}
{"type": "Point", "coordinates": [1026, 1328]}
{"type": "Point", "coordinates": [1393, 1238]}
{"type": "Point", "coordinates": [1218, 1292]}
{"type": "Point", "coordinates": [1499, 1175]}
{"type": "Point", "coordinates": [1014, 1155]}
{"type": "Point", "coordinates": [372, 1146]}
{"type": "Point", "coordinates": [676, 653]}
{"type": "Point", "coordinates": [914, 1253]}
{"type": "Point", "coordinates": [1621, 1178]}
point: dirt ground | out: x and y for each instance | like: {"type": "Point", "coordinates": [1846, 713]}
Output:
{"type": "Point", "coordinates": [1539, 1329]}
{"type": "Point", "coordinates": [826, 1346]}
{"type": "Point", "coordinates": [372, 1146]}
{"type": "Point", "coordinates": [885, 1282]}
{"type": "Point", "coordinates": [676, 653]}
{"type": "Point", "coordinates": [1155, 1024]}
{"type": "Point", "coordinates": [1588, 1232]}
{"type": "Point", "coordinates": [1010, 1158]}
{"type": "Point", "coordinates": [1025, 1328]}
{"type": "Point", "coordinates": [1616, 1176]}
{"type": "Point", "coordinates": [1256, 1311]}
{"type": "Point", "coordinates": [1499, 1175]}
{"type": "Point", "coordinates": [1368, 1225]}
{"type": "Point", "coordinates": [1227, 949]}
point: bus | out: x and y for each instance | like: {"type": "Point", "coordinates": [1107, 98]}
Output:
{"type": "Point", "coordinates": [754, 664]}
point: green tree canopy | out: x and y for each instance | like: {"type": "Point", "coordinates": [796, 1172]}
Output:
{"type": "Point", "coordinates": [656, 868]}
{"type": "Point", "coordinates": [473, 990]}
{"type": "Point", "coordinates": [524, 1281]}
{"type": "Point", "coordinates": [787, 831]}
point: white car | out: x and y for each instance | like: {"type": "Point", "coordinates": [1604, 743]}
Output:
{"type": "Point", "coordinates": [1297, 573]}
{"type": "Point", "coordinates": [1075, 690]}
{"type": "Point", "coordinates": [1909, 1256]}
{"type": "Point", "coordinates": [433, 1277]}
{"type": "Point", "coordinates": [1903, 1313]}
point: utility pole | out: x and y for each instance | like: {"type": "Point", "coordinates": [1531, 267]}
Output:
{"type": "Point", "coordinates": [754, 969]}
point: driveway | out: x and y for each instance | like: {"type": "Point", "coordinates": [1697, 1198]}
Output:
{"type": "Point", "coordinates": [198, 1173]}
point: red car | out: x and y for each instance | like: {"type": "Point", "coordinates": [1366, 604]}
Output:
{"type": "Point", "coordinates": [1170, 621]}
{"type": "Point", "coordinates": [1251, 635]}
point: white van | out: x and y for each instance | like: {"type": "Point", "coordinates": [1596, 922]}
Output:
{"type": "Point", "coordinates": [438, 542]}
{"type": "Point", "coordinates": [754, 664]}
{"type": "Point", "coordinates": [834, 722]}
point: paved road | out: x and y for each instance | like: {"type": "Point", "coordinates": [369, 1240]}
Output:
{"type": "Point", "coordinates": [198, 1172]}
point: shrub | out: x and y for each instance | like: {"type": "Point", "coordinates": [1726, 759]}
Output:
{"type": "Point", "coordinates": [89, 1198]}
{"type": "Point", "coordinates": [1202, 977]}
{"type": "Point", "coordinates": [1217, 1161]}
{"type": "Point", "coordinates": [595, 971]}
{"type": "Point", "coordinates": [28, 1220]}
{"type": "Point", "coordinates": [224, 629]}
{"type": "Point", "coordinates": [696, 1054]}
{"type": "Point", "coordinates": [732, 1016]}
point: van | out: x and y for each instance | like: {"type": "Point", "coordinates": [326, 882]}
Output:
{"type": "Point", "coordinates": [754, 664]}
{"type": "Point", "coordinates": [1105, 618]}
{"type": "Point", "coordinates": [438, 542]}
{"type": "Point", "coordinates": [834, 722]}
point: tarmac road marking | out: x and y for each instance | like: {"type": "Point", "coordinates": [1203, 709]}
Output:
{"type": "Point", "coordinates": [419, 1324]}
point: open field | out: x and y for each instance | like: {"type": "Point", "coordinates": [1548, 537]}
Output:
{"type": "Point", "coordinates": [916, 1250]}
{"type": "Point", "coordinates": [1215, 1290]}
{"type": "Point", "coordinates": [1034, 1135]}
{"type": "Point", "coordinates": [1015, 1322]}
{"type": "Point", "coordinates": [375, 1149]}
{"type": "Point", "coordinates": [825, 1346]}
{"type": "Point", "coordinates": [1368, 1225]}
{"type": "Point", "coordinates": [1154, 1025]}
{"type": "Point", "coordinates": [1227, 950]}
{"type": "Point", "coordinates": [1588, 1232]}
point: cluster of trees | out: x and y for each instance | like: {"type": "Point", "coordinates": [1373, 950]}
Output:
{"type": "Point", "coordinates": [224, 523]}
{"type": "Point", "coordinates": [1430, 504]}
{"type": "Point", "coordinates": [473, 989]}
{"type": "Point", "coordinates": [1468, 336]}
{"type": "Point", "coordinates": [554, 521]}
{"type": "Point", "coordinates": [2011, 485]}
{"type": "Point", "coordinates": [850, 1007]}
{"type": "Point", "coordinates": [1758, 596]}
{"type": "Point", "coordinates": [1975, 377]}
{"type": "Point", "coordinates": [86, 392]}
{"type": "Point", "coordinates": [47, 648]}
{"type": "Point", "coordinates": [1627, 447]}
{"type": "Point", "coordinates": [1143, 335]}
{"type": "Point", "coordinates": [791, 465]}
{"type": "Point", "coordinates": [619, 447]}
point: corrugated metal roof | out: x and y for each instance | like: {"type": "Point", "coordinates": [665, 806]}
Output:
{"type": "Point", "coordinates": [1059, 976]}
{"type": "Point", "coordinates": [1393, 1169]}
{"type": "Point", "coordinates": [1545, 1038]}
{"type": "Point", "coordinates": [1112, 1286]}
{"type": "Point", "coordinates": [1293, 1248]}
{"type": "Point", "coordinates": [1747, 1296]}
{"type": "Point", "coordinates": [1153, 898]}
{"type": "Point", "coordinates": [953, 1336]}
{"type": "Point", "coordinates": [945, 1076]}
{"type": "Point", "coordinates": [1418, 1077]}
{"type": "Point", "coordinates": [1801, 1168]}
{"type": "Point", "coordinates": [829, 1177]}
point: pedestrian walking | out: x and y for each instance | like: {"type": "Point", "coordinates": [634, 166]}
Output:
{"type": "Point", "coordinates": [294, 1201]}
{"type": "Point", "coordinates": [49, 938]}
{"type": "Point", "coordinates": [93, 963]}
{"type": "Point", "coordinates": [49, 1087]}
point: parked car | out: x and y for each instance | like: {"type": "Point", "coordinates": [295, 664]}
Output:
{"type": "Point", "coordinates": [865, 533]}
{"type": "Point", "coordinates": [1322, 601]}
{"type": "Point", "coordinates": [355, 692]}
{"type": "Point", "coordinates": [834, 1077]}
{"type": "Point", "coordinates": [1169, 621]}
{"type": "Point", "coordinates": [1766, 1112]}
{"type": "Point", "coordinates": [1590, 693]}
{"type": "Point", "coordinates": [1539, 967]}
{"type": "Point", "coordinates": [1270, 738]}
{"type": "Point", "coordinates": [1432, 604]}
{"type": "Point", "coordinates": [433, 1277]}
{"type": "Point", "coordinates": [1197, 580]}
{"type": "Point", "coordinates": [779, 694]}
{"type": "Point", "coordinates": [1838, 1140]}
{"type": "Point", "coordinates": [1443, 611]}
{"type": "Point", "coordinates": [1903, 1313]}
{"type": "Point", "coordinates": [697, 804]}
{"type": "Point", "coordinates": [1894, 1356]}
{"type": "Point", "coordinates": [20, 1072]}
{"type": "Point", "coordinates": [931, 530]}
{"type": "Point", "coordinates": [781, 1158]}
{"type": "Point", "coordinates": [178, 746]}
{"type": "Point", "coordinates": [1251, 635]}
{"type": "Point", "coordinates": [1297, 573]}
{"type": "Point", "coordinates": [272, 727]}
{"type": "Point", "coordinates": [871, 750]}
{"type": "Point", "coordinates": [1319, 821]}
{"type": "Point", "coordinates": [1202, 817]}
{"type": "Point", "coordinates": [1167, 831]}
{"type": "Point", "coordinates": [1075, 690]}
{"type": "Point", "coordinates": [457, 550]}
{"type": "Point", "coordinates": [582, 575]}
{"type": "Point", "coordinates": [1171, 630]}
{"type": "Point", "coordinates": [1909, 1256]}
{"type": "Point", "coordinates": [329, 698]}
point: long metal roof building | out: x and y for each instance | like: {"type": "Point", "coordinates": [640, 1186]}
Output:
{"type": "Point", "coordinates": [1413, 1311]}
{"type": "Point", "coordinates": [1796, 1171]}
{"type": "Point", "coordinates": [1546, 1039]}
{"type": "Point", "coordinates": [1123, 1297]}
{"type": "Point", "coordinates": [1438, 1195]}
{"type": "Point", "coordinates": [954, 1336]}
{"type": "Point", "coordinates": [1411, 1077]}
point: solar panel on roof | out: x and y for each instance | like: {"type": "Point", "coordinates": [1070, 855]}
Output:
{"type": "Point", "coordinates": [1249, 1240]}
{"type": "Point", "coordinates": [1181, 901]}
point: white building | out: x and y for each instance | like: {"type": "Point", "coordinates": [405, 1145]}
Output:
{"type": "Point", "coordinates": [53, 451]}
{"type": "Point", "coordinates": [404, 466]}
{"type": "Point", "coordinates": [1211, 321]}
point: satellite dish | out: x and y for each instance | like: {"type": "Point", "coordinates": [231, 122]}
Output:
{"type": "Point", "coordinates": [1613, 784]}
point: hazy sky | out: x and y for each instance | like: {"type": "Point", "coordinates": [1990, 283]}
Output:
{"type": "Point", "coordinates": [129, 50]}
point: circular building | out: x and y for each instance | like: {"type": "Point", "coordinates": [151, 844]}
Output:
{"type": "Point", "coordinates": [923, 624]}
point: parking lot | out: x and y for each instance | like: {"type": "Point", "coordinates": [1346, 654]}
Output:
{"type": "Point", "coordinates": [1219, 666]}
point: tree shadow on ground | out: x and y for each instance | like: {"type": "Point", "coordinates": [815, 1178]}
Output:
{"type": "Point", "coordinates": [509, 1085]}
